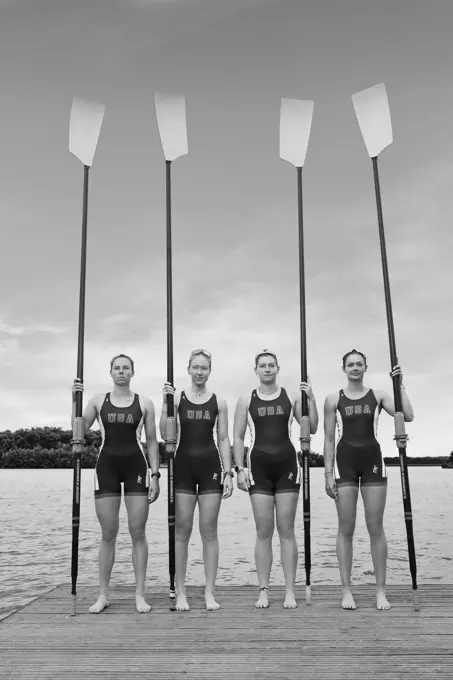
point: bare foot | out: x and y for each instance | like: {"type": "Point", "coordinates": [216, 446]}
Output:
{"type": "Point", "coordinates": [290, 601]}
{"type": "Point", "coordinates": [181, 603]}
{"type": "Point", "coordinates": [211, 603]}
{"type": "Point", "coordinates": [141, 605]}
{"type": "Point", "coordinates": [100, 604]}
{"type": "Point", "coordinates": [381, 600]}
{"type": "Point", "coordinates": [348, 601]}
{"type": "Point", "coordinates": [263, 600]}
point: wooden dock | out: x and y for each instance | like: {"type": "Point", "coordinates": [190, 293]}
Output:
{"type": "Point", "coordinates": [238, 642]}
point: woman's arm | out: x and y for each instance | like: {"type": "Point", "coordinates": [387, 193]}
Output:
{"type": "Point", "coordinates": [149, 423]}
{"type": "Point", "coordinates": [224, 447]}
{"type": "Point", "coordinates": [330, 407]}
{"type": "Point", "coordinates": [152, 447]}
{"type": "Point", "coordinates": [91, 409]}
{"type": "Point", "coordinates": [168, 389]}
{"type": "Point", "coordinates": [387, 402]}
{"type": "Point", "coordinates": [329, 433]}
{"type": "Point", "coordinates": [239, 430]}
{"type": "Point", "coordinates": [222, 434]}
{"type": "Point", "coordinates": [312, 408]}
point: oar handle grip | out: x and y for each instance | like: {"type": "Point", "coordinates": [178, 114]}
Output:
{"type": "Point", "coordinates": [170, 439]}
{"type": "Point", "coordinates": [400, 431]}
{"type": "Point", "coordinates": [78, 435]}
{"type": "Point", "coordinates": [305, 437]}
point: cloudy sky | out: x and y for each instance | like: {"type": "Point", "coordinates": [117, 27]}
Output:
{"type": "Point", "coordinates": [234, 200]}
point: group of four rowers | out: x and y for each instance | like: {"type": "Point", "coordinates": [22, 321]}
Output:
{"type": "Point", "coordinates": [203, 469]}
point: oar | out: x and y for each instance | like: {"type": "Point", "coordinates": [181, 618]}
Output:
{"type": "Point", "coordinates": [171, 120]}
{"type": "Point", "coordinates": [373, 115]}
{"type": "Point", "coordinates": [84, 128]}
{"type": "Point", "coordinates": [295, 123]}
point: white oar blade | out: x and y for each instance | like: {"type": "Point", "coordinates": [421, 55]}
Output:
{"type": "Point", "coordinates": [84, 128]}
{"type": "Point", "coordinates": [373, 114]}
{"type": "Point", "coordinates": [171, 121]}
{"type": "Point", "coordinates": [295, 124]}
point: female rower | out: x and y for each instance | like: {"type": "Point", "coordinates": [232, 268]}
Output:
{"type": "Point", "coordinates": [355, 409]}
{"type": "Point", "coordinates": [121, 414]}
{"type": "Point", "coordinates": [273, 475]}
{"type": "Point", "coordinates": [202, 471]}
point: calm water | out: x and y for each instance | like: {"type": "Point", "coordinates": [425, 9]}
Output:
{"type": "Point", "coordinates": [35, 535]}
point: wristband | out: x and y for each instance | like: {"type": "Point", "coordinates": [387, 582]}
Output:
{"type": "Point", "coordinates": [227, 473]}
{"type": "Point", "coordinates": [155, 474]}
{"type": "Point", "coordinates": [329, 472]}
{"type": "Point", "coordinates": [238, 469]}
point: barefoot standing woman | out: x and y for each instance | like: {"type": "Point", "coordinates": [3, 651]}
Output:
{"type": "Point", "coordinates": [121, 415]}
{"type": "Point", "coordinates": [202, 471]}
{"type": "Point", "coordinates": [273, 474]}
{"type": "Point", "coordinates": [355, 409]}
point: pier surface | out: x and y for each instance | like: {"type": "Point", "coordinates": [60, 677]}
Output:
{"type": "Point", "coordinates": [43, 641]}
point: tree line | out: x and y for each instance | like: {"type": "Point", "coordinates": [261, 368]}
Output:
{"type": "Point", "coordinates": [50, 447]}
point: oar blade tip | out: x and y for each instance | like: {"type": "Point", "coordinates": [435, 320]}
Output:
{"type": "Point", "coordinates": [84, 127]}
{"type": "Point", "coordinates": [295, 124]}
{"type": "Point", "coordinates": [172, 125]}
{"type": "Point", "coordinates": [373, 115]}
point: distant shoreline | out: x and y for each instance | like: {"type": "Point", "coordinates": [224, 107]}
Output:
{"type": "Point", "coordinates": [51, 448]}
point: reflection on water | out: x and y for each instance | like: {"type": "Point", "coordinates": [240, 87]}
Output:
{"type": "Point", "coordinates": [36, 517]}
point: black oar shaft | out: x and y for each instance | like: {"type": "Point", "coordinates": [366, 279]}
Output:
{"type": "Point", "coordinates": [169, 278]}
{"type": "Point", "coordinates": [400, 435]}
{"type": "Point", "coordinates": [170, 442]}
{"type": "Point", "coordinates": [83, 262]}
{"type": "Point", "coordinates": [303, 333]}
{"type": "Point", "coordinates": [305, 422]}
{"type": "Point", "coordinates": [385, 272]}
{"type": "Point", "coordinates": [77, 446]}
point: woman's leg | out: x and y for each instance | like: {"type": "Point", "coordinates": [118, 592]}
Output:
{"type": "Point", "coordinates": [263, 512]}
{"type": "Point", "coordinates": [137, 513]}
{"type": "Point", "coordinates": [209, 506]}
{"type": "Point", "coordinates": [107, 511]}
{"type": "Point", "coordinates": [184, 509]}
{"type": "Point", "coordinates": [374, 498]}
{"type": "Point", "coordinates": [347, 511]}
{"type": "Point", "coordinates": [285, 510]}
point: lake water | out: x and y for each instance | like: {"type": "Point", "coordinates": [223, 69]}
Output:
{"type": "Point", "coordinates": [36, 519]}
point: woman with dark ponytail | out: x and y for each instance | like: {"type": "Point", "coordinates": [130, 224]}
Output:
{"type": "Point", "coordinates": [356, 459]}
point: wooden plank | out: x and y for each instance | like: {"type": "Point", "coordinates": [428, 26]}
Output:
{"type": "Point", "coordinates": [42, 640]}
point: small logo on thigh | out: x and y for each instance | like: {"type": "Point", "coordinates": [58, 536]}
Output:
{"type": "Point", "coordinates": [375, 469]}
{"type": "Point", "coordinates": [291, 475]}
{"type": "Point", "coordinates": [215, 475]}
{"type": "Point", "coordinates": [139, 479]}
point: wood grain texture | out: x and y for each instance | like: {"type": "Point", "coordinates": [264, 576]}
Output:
{"type": "Point", "coordinates": [42, 641]}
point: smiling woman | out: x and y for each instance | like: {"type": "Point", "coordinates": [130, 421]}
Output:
{"type": "Point", "coordinates": [202, 471]}
{"type": "Point", "coordinates": [121, 415]}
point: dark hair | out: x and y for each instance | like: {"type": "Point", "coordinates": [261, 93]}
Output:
{"type": "Point", "coordinates": [117, 356]}
{"type": "Point", "coordinates": [353, 351]}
